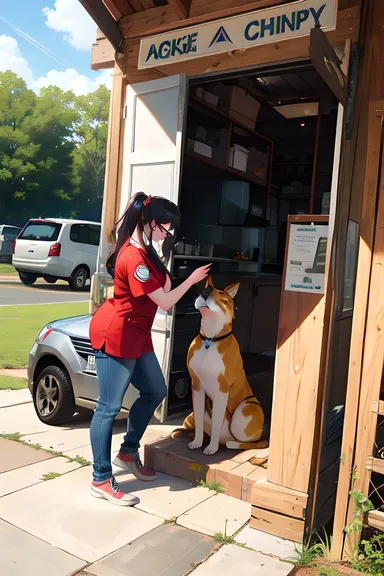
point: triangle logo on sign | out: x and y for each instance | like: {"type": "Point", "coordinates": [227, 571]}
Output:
{"type": "Point", "coordinates": [220, 36]}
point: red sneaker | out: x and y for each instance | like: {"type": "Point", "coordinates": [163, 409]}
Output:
{"type": "Point", "coordinates": [134, 465]}
{"type": "Point", "coordinates": [109, 490]}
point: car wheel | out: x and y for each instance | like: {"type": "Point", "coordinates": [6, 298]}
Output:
{"type": "Point", "coordinates": [27, 279]}
{"type": "Point", "coordinates": [53, 396]}
{"type": "Point", "coordinates": [78, 278]}
{"type": "Point", "coordinates": [50, 279]}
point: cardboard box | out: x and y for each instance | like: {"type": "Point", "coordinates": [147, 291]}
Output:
{"type": "Point", "coordinates": [258, 164]}
{"type": "Point", "coordinates": [240, 105]}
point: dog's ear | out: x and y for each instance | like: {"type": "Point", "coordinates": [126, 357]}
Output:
{"type": "Point", "coordinates": [232, 289]}
{"type": "Point", "coordinates": [209, 282]}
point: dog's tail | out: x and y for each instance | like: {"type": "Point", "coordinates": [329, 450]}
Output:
{"type": "Point", "coordinates": [258, 445]}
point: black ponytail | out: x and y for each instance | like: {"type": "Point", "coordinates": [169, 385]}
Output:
{"type": "Point", "coordinates": [141, 210]}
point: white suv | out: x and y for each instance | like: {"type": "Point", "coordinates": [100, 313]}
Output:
{"type": "Point", "coordinates": [57, 249]}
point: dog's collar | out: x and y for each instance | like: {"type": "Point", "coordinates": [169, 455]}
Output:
{"type": "Point", "coordinates": [209, 340]}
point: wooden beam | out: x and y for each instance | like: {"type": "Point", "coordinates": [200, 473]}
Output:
{"type": "Point", "coordinates": [376, 519]}
{"type": "Point", "coordinates": [118, 8]}
{"type": "Point", "coordinates": [375, 464]}
{"type": "Point", "coordinates": [164, 18]}
{"type": "Point", "coordinates": [181, 7]}
{"type": "Point", "coordinates": [279, 499]}
{"type": "Point", "coordinates": [104, 20]}
{"type": "Point", "coordinates": [103, 54]}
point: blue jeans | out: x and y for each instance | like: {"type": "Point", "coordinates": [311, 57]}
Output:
{"type": "Point", "coordinates": [114, 376]}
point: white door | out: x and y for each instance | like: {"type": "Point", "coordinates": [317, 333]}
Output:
{"type": "Point", "coordinates": [155, 114]}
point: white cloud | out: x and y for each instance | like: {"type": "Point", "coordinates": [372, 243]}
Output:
{"type": "Point", "coordinates": [69, 79]}
{"type": "Point", "coordinates": [70, 18]}
{"type": "Point", "coordinates": [11, 59]}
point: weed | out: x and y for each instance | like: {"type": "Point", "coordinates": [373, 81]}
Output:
{"type": "Point", "coordinates": [369, 558]}
{"type": "Point", "coordinates": [214, 486]}
{"type": "Point", "coordinates": [307, 553]}
{"type": "Point", "coordinates": [51, 476]}
{"type": "Point", "coordinates": [328, 571]}
{"type": "Point", "coordinates": [325, 544]}
{"type": "Point", "coordinates": [362, 505]}
{"type": "Point", "coordinates": [15, 436]}
{"type": "Point", "coordinates": [79, 459]}
{"type": "Point", "coordinates": [224, 538]}
{"type": "Point", "coordinates": [171, 520]}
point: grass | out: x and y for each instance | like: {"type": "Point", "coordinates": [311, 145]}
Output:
{"type": "Point", "coordinates": [20, 326]}
{"type": "Point", "coordinates": [328, 571]}
{"type": "Point", "coordinates": [11, 383]}
{"type": "Point", "coordinates": [50, 476]}
{"type": "Point", "coordinates": [7, 269]}
{"type": "Point", "coordinates": [214, 486]}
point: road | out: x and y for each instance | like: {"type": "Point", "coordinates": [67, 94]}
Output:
{"type": "Point", "coordinates": [13, 292]}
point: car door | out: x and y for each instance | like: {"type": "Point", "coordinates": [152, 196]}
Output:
{"type": "Point", "coordinates": [153, 139]}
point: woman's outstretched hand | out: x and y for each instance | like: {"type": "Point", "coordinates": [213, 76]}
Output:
{"type": "Point", "coordinates": [200, 273]}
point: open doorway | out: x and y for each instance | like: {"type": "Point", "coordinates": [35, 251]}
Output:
{"type": "Point", "coordinates": [258, 147]}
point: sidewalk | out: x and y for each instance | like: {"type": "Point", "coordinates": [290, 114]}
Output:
{"type": "Point", "coordinates": [49, 523]}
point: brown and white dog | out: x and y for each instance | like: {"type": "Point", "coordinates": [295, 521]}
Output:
{"type": "Point", "coordinates": [224, 406]}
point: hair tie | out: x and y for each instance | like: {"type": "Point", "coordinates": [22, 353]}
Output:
{"type": "Point", "coordinates": [147, 201]}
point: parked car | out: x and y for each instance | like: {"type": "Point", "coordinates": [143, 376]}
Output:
{"type": "Point", "coordinates": [61, 371]}
{"type": "Point", "coordinates": [7, 236]}
{"type": "Point", "coordinates": [57, 249]}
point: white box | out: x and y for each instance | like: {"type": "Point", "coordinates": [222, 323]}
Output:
{"type": "Point", "coordinates": [238, 157]}
{"type": "Point", "coordinates": [211, 98]}
{"type": "Point", "coordinates": [199, 148]}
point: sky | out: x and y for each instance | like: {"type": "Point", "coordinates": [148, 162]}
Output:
{"type": "Point", "coordinates": [49, 42]}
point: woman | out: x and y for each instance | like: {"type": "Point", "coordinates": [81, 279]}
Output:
{"type": "Point", "coordinates": [120, 332]}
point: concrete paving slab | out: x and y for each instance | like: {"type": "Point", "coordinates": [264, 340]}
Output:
{"type": "Point", "coordinates": [166, 497]}
{"type": "Point", "coordinates": [210, 516]}
{"type": "Point", "coordinates": [63, 513]}
{"type": "Point", "coordinates": [14, 397]}
{"type": "Point", "coordinates": [21, 419]}
{"type": "Point", "coordinates": [266, 543]}
{"type": "Point", "coordinates": [16, 455]}
{"type": "Point", "coordinates": [169, 550]}
{"type": "Point", "coordinates": [23, 554]}
{"type": "Point", "coordinates": [33, 474]}
{"type": "Point", "coordinates": [232, 559]}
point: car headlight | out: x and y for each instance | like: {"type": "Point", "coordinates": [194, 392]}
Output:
{"type": "Point", "coordinates": [44, 333]}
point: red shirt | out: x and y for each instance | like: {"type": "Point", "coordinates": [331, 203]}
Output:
{"type": "Point", "coordinates": [123, 324]}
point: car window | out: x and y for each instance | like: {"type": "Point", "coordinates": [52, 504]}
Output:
{"type": "Point", "coordinates": [11, 233]}
{"type": "Point", "coordinates": [85, 234]}
{"type": "Point", "coordinates": [41, 231]}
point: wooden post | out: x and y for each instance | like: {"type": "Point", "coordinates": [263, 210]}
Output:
{"type": "Point", "coordinates": [112, 165]}
{"type": "Point", "coordinates": [315, 155]}
{"type": "Point", "coordinates": [368, 142]}
{"type": "Point", "coordinates": [297, 370]}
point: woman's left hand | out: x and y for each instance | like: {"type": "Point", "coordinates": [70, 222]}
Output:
{"type": "Point", "coordinates": [167, 285]}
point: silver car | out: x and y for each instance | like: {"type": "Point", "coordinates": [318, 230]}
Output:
{"type": "Point", "coordinates": [61, 371]}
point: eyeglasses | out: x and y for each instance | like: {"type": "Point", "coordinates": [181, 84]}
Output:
{"type": "Point", "coordinates": [168, 233]}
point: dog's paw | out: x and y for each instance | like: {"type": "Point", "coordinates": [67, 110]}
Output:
{"type": "Point", "coordinates": [195, 444]}
{"type": "Point", "coordinates": [210, 449]}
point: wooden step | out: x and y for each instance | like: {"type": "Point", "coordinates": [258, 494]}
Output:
{"type": "Point", "coordinates": [231, 468]}
{"type": "Point", "coordinates": [375, 464]}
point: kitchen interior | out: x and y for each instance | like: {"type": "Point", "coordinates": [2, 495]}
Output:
{"type": "Point", "coordinates": [258, 147]}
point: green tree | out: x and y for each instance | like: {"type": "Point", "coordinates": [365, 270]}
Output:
{"type": "Point", "coordinates": [91, 141]}
{"type": "Point", "coordinates": [52, 151]}
{"type": "Point", "coordinates": [17, 150]}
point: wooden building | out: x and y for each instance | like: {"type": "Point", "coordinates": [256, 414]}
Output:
{"type": "Point", "coordinates": [315, 70]}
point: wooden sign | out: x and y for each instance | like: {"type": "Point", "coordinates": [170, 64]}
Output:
{"type": "Point", "coordinates": [292, 20]}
